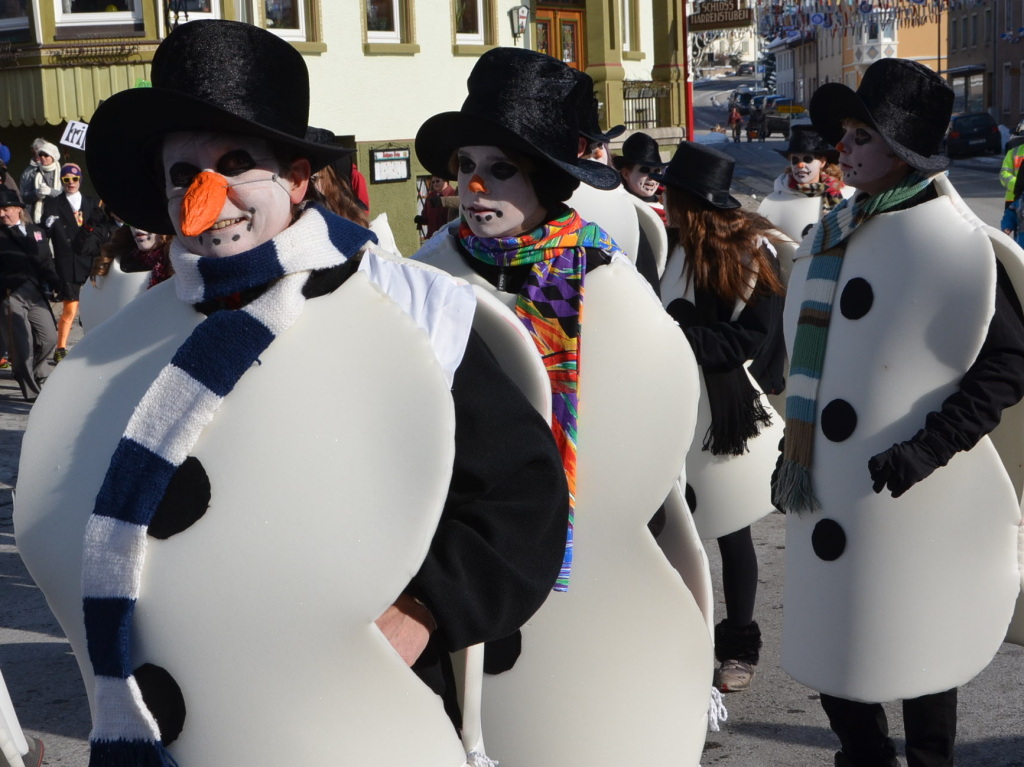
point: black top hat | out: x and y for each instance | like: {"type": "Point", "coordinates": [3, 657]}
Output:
{"type": "Point", "coordinates": [342, 164]}
{"type": "Point", "coordinates": [905, 101]}
{"type": "Point", "coordinates": [640, 149]}
{"type": "Point", "coordinates": [805, 139]}
{"type": "Point", "coordinates": [703, 172]}
{"type": "Point", "coordinates": [590, 123]}
{"type": "Point", "coordinates": [209, 75]}
{"type": "Point", "coordinates": [9, 198]}
{"type": "Point", "coordinates": [519, 100]}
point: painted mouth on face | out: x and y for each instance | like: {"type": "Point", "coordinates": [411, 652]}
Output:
{"type": "Point", "coordinates": [224, 224]}
{"type": "Point", "coordinates": [482, 214]}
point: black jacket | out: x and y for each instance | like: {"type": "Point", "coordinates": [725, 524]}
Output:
{"type": "Point", "coordinates": [72, 266]}
{"type": "Point", "coordinates": [25, 257]}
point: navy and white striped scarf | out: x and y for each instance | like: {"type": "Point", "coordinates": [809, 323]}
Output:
{"type": "Point", "coordinates": [163, 429]}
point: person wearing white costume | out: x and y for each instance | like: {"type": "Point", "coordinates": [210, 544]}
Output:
{"type": "Point", "coordinates": [906, 343]}
{"type": "Point", "coordinates": [811, 186]}
{"type": "Point", "coordinates": [721, 285]}
{"type": "Point", "coordinates": [620, 658]}
{"type": "Point", "coordinates": [259, 570]}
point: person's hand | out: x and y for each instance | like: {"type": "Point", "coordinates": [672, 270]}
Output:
{"type": "Point", "coordinates": [1008, 231]}
{"type": "Point", "coordinates": [44, 190]}
{"type": "Point", "coordinates": [49, 221]}
{"type": "Point", "coordinates": [902, 466]}
{"type": "Point", "coordinates": [407, 625]}
{"type": "Point", "coordinates": [684, 312]}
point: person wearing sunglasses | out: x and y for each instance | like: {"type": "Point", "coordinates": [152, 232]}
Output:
{"type": "Point", "coordinates": [640, 157]}
{"type": "Point", "coordinates": [63, 217]}
{"type": "Point", "coordinates": [40, 180]}
{"type": "Point", "coordinates": [809, 187]}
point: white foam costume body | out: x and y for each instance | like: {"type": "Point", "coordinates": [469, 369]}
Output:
{"type": "Point", "coordinates": [109, 293]}
{"type": "Point", "coordinates": [313, 528]}
{"type": "Point", "coordinates": [793, 214]}
{"type": "Point", "coordinates": [919, 596]}
{"type": "Point", "coordinates": [628, 219]}
{"type": "Point", "coordinates": [729, 492]}
{"type": "Point", "coordinates": [622, 661]}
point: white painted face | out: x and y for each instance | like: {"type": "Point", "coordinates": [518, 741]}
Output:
{"type": "Point", "coordinates": [638, 180]}
{"type": "Point", "coordinates": [806, 168]}
{"type": "Point", "coordinates": [259, 195]}
{"type": "Point", "coordinates": [10, 215]}
{"type": "Point", "coordinates": [144, 241]}
{"type": "Point", "coordinates": [868, 162]}
{"type": "Point", "coordinates": [496, 195]}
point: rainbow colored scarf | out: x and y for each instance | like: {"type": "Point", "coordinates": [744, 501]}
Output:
{"type": "Point", "coordinates": [550, 305]}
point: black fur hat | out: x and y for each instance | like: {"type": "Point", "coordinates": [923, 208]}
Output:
{"type": "Point", "coordinates": [209, 75]}
{"type": "Point", "coordinates": [523, 101]}
{"type": "Point", "coordinates": [909, 104]}
{"type": "Point", "coordinates": [703, 172]}
{"type": "Point", "coordinates": [640, 149]}
{"type": "Point", "coordinates": [805, 139]}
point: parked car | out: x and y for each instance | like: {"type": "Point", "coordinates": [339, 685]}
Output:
{"type": "Point", "coordinates": [745, 69]}
{"type": "Point", "coordinates": [779, 113]}
{"type": "Point", "coordinates": [975, 133]}
{"type": "Point", "coordinates": [741, 97]}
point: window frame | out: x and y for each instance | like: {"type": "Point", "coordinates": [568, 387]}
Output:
{"type": "Point", "coordinates": [298, 34]}
{"type": "Point", "coordinates": [389, 37]}
{"type": "Point", "coordinates": [216, 12]}
{"type": "Point", "coordinates": [482, 35]}
{"type": "Point", "coordinates": [954, 27]}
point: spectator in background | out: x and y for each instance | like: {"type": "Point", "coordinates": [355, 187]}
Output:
{"type": "Point", "coordinates": [440, 206]}
{"type": "Point", "coordinates": [1008, 173]}
{"type": "Point", "coordinates": [40, 180]}
{"type": "Point", "coordinates": [63, 216]}
{"type": "Point", "coordinates": [26, 279]}
{"type": "Point", "coordinates": [331, 185]}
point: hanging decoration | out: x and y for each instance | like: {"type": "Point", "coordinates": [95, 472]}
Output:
{"type": "Point", "coordinates": [850, 17]}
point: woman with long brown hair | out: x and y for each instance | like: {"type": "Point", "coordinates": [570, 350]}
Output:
{"type": "Point", "coordinates": [721, 285]}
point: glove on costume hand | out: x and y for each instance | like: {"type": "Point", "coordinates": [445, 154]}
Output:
{"type": "Point", "coordinates": [44, 191]}
{"type": "Point", "coordinates": [905, 464]}
{"type": "Point", "coordinates": [683, 312]}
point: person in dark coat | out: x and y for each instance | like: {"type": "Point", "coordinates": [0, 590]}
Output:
{"type": "Point", "coordinates": [26, 277]}
{"type": "Point", "coordinates": [63, 216]}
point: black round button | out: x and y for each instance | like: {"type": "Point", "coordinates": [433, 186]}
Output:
{"type": "Point", "coordinates": [828, 540]}
{"type": "Point", "coordinates": [838, 420]}
{"type": "Point", "coordinates": [856, 298]}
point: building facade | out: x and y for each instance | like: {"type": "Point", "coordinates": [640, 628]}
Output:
{"type": "Point", "coordinates": [378, 68]}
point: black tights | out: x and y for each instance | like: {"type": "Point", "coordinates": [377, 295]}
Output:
{"type": "Point", "coordinates": [739, 576]}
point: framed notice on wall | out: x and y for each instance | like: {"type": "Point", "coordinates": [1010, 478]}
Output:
{"type": "Point", "coordinates": [391, 164]}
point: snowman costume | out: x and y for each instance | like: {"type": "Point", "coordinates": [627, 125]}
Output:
{"type": "Point", "coordinates": [219, 555]}
{"type": "Point", "coordinates": [892, 590]}
{"type": "Point", "coordinates": [552, 697]}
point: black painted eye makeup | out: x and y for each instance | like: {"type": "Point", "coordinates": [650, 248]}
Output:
{"type": "Point", "coordinates": [466, 165]}
{"type": "Point", "coordinates": [181, 174]}
{"type": "Point", "coordinates": [861, 137]}
{"type": "Point", "coordinates": [805, 159]}
{"type": "Point", "coordinates": [503, 170]}
{"type": "Point", "coordinates": [235, 162]}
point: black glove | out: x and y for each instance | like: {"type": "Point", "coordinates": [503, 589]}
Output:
{"type": "Point", "coordinates": [419, 220]}
{"type": "Point", "coordinates": [905, 464]}
{"type": "Point", "coordinates": [683, 312]}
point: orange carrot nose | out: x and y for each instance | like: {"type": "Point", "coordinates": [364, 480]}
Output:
{"type": "Point", "coordinates": [203, 203]}
{"type": "Point", "coordinates": [476, 184]}
{"type": "Point", "coordinates": [840, 147]}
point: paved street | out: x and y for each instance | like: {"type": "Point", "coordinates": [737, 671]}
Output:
{"type": "Point", "coordinates": [778, 722]}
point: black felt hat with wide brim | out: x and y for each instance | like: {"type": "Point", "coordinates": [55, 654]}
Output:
{"type": "Point", "coordinates": [209, 76]}
{"type": "Point", "coordinates": [702, 171]}
{"type": "Point", "coordinates": [521, 101]}
{"type": "Point", "coordinates": [907, 103]}
{"type": "Point", "coordinates": [805, 139]}
{"type": "Point", "coordinates": [640, 149]}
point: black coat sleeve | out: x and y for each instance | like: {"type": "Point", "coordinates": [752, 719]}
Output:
{"type": "Point", "coordinates": [726, 345]}
{"type": "Point", "coordinates": [499, 546]}
{"type": "Point", "coordinates": [43, 259]}
{"type": "Point", "coordinates": [993, 383]}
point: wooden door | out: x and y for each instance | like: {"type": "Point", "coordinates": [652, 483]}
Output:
{"type": "Point", "coordinates": [560, 34]}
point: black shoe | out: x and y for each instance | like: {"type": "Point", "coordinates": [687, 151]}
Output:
{"type": "Point", "coordinates": [60, 354]}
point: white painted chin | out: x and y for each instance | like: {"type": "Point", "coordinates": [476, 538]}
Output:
{"type": "Point", "coordinates": [493, 222]}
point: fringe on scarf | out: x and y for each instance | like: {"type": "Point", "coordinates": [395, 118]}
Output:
{"type": "Point", "coordinates": [737, 414]}
{"type": "Point", "coordinates": [793, 490]}
{"type": "Point", "coordinates": [128, 753]}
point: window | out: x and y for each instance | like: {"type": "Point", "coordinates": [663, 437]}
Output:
{"type": "Point", "coordinates": [952, 34]}
{"type": "Point", "coordinates": [13, 14]}
{"type": "Point", "coordinates": [93, 13]}
{"type": "Point", "coordinates": [287, 18]}
{"type": "Point", "coordinates": [470, 22]}
{"type": "Point", "coordinates": [963, 32]}
{"type": "Point", "coordinates": [630, 26]}
{"type": "Point", "coordinates": [1008, 20]}
{"type": "Point", "coordinates": [191, 10]}
{"type": "Point", "coordinates": [383, 21]}
{"type": "Point", "coordinates": [974, 29]}
{"type": "Point", "coordinates": [988, 25]}
{"type": "Point", "coordinates": [1006, 86]}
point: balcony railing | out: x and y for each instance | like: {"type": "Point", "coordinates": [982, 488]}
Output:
{"type": "Point", "coordinates": [646, 104]}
